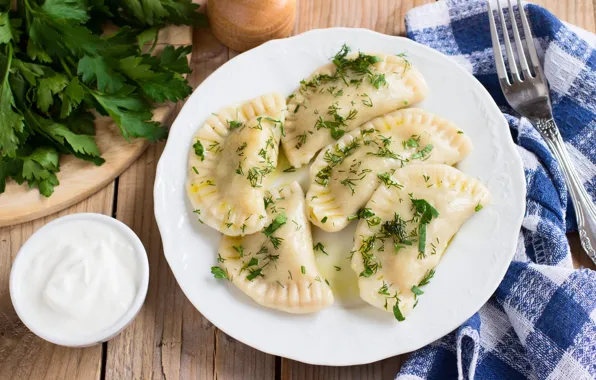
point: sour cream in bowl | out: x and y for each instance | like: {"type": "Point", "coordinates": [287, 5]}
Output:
{"type": "Point", "coordinates": [80, 279]}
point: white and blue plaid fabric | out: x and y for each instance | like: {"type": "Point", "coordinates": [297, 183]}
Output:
{"type": "Point", "coordinates": [541, 321]}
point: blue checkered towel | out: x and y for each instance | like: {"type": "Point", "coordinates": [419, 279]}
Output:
{"type": "Point", "coordinates": [541, 322]}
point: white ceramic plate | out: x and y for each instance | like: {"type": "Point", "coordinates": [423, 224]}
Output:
{"type": "Point", "coordinates": [349, 332]}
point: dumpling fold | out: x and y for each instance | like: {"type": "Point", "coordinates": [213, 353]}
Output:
{"type": "Point", "coordinates": [276, 267]}
{"type": "Point", "coordinates": [342, 95]}
{"type": "Point", "coordinates": [412, 218]}
{"type": "Point", "coordinates": [345, 174]}
{"type": "Point", "coordinates": [231, 157]}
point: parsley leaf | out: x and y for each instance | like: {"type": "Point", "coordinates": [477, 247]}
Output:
{"type": "Point", "coordinates": [397, 312]}
{"type": "Point", "coordinates": [47, 88]}
{"type": "Point", "coordinates": [219, 273]}
{"type": "Point", "coordinates": [279, 221]}
{"type": "Point", "coordinates": [58, 65]}
{"type": "Point", "coordinates": [98, 68]}
{"type": "Point", "coordinates": [11, 122]}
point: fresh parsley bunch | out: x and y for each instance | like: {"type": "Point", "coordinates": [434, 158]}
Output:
{"type": "Point", "coordinates": [57, 65]}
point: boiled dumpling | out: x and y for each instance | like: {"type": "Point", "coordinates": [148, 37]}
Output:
{"type": "Point", "coordinates": [276, 267]}
{"type": "Point", "coordinates": [231, 156]}
{"type": "Point", "coordinates": [342, 95]}
{"type": "Point", "coordinates": [345, 174]}
{"type": "Point", "coordinates": [412, 217]}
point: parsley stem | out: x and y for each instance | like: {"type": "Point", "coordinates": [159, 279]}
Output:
{"type": "Point", "coordinates": [154, 42]}
{"type": "Point", "coordinates": [65, 66]}
{"type": "Point", "coordinates": [8, 64]}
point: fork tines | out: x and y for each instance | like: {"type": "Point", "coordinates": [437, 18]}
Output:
{"type": "Point", "coordinates": [511, 59]}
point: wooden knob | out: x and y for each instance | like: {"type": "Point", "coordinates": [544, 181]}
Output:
{"type": "Point", "coordinates": [244, 24]}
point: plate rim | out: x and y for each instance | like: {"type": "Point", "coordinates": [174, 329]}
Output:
{"type": "Point", "coordinates": [487, 100]}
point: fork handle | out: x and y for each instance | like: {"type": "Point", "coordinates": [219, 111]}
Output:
{"type": "Point", "coordinates": [585, 210]}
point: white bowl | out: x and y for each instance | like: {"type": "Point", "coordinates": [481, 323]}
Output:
{"type": "Point", "coordinates": [17, 275]}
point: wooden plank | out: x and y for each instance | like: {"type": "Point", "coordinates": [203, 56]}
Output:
{"type": "Point", "coordinates": [22, 354]}
{"type": "Point", "coordinates": [385, 369]}
{"type": "Point", "coordinates": [170, 339]}
{"type": "Point", "coordinates": [577, 12]}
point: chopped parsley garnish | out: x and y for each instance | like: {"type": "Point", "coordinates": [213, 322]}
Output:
{"type": "Point", "coordinates": [251, 263]}
{"type": "Point", "coordinates": [291, 169]}
{"type": "Point", "coordinates": [407, 63]}
{"type": "Point", "coordinates": [371, 265]}
{"type": "Point", "coordinates": [337, 155]}
{"type": "Point", "coordinates": [386, 153]}
{"type": "Point", "coordinates": [368, 215]}
{"type": "Point", "coordinates": [214, 145]}
{"type": "Point", "coordinates": [199, 150]}
{"type": "Point", "coordinates": [422, 154]}
{"type": "Point", "coordinates": [198, 212]}
{"type": "Point", "coordinates": [396, 229]}
{"type": "Point", "coordinates": [378, 80]}
{"type": "Point", "coordinates": [384, 290]}
{"type": "Point", "coordinates": [428, 275]}
{"type": "Point", "coordinates": [478, 207]}
{"type": "Point", "coordinates": [279, 221]}
{"type": "Point", "coordinates": [267, 201]}
{"type": "Point", "coordinates": [334, 93]}
{"type": "Point", "coordinates": [239, 249]}
{"type": "Point", "coordinates": [338, 124]}
{"type": "Point", "coordinates": [194, 169]}
{"type": "Point", "coordinates": [320, 247]}
{"type": "Point", "coordinates": [350, 182]}
{"type": "Point", "coordinates": [366, 100]}
{"type": "Point", "coordinates": [322, 177]}
{"type": "Point", "coordinates": [424, 213]}
{"type": "Point", "coordinates": [412, 142]}
{"type": "Point", "coordinates": [219, 273]}
{"type": "Point", "coordinates": [256, 174]}
{"type": "Point", "coordinates": [240, 149]}
{"type": "Point", "coordinates": [460, 132]}
{"type": "Point", "coordinates": [301, 140]}
{"type": "Point", "coordinates": [425, 280]}
{"type": "Point", "coordinates": [417, 291]}
{"type": "Point", "coordinates": [254, 273]}
{"type": "Point", "coordinates": [234, 124]}
{"type": "Point", "coordinates": [303, 269]}
{"type": "Point", "coordinates": [397, 312]}
{"type": "Point", "coordinates": [324, 220]}
{"type": "Point", "coordinates": [386, 178]}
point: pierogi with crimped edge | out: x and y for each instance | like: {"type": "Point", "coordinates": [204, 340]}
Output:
{"type": "Point", "coordinates": [342, 95]}
{"type": "Point", "coordinates": [378, 162]}
{"type": "Point", "coordinates": [412, 217]}
{"type": "Point", "coordinates": [276, 266]}
{"type": "Point", "coordinates": [345, 174]}
{"type": "Point", "coordinates": [232, 155]}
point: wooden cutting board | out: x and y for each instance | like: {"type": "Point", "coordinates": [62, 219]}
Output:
{"type": "Point", "coordinates": [80, 179]}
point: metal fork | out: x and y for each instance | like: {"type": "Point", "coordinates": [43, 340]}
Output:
{"type": "Point", "coordinates": [527, 93]}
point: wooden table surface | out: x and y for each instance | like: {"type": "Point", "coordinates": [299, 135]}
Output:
{"type": "Point", "coordinates": [170, 339]}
